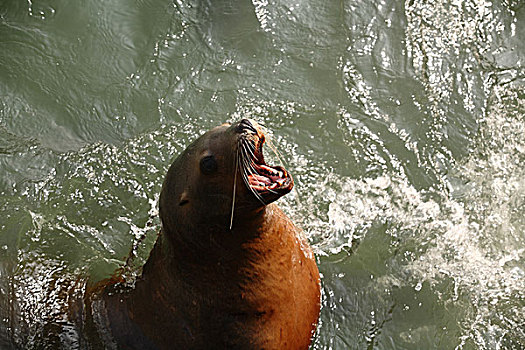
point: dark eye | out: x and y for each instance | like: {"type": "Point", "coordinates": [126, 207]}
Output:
{"type": "Point", "coordinates": [208, 165]}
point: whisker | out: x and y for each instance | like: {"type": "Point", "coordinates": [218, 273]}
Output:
{"type": "Point", "coordinates": [249, 150]}
{"type": "Point", "coordinates": [234, 190]}
{"type": "Point", "coordinates": [247, 171]}
{"type": "Point", "coordinates": [256, 194]}
{"type": "Point", "coordinates": [248, 154]}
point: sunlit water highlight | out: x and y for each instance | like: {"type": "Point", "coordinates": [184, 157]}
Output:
{"type": "Point", "coordinates": [402, 123]}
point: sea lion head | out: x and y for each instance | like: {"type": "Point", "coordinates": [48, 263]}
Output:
{"type": "Point", "coordinates": [221, 178]}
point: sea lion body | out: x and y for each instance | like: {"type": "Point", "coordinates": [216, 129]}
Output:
{"type": "Point", "coordinates": [229, 269]}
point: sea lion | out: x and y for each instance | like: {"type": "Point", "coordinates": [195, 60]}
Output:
{"type": "Point", "coordinates": [229, 269]}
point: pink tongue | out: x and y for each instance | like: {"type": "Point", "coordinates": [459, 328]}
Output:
{"type": "Point", "coordinates": [258, 180]}
{"type": "Point", "coordinates": [272, 179]}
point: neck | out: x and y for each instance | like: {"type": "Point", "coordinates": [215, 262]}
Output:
{"type": "Point", "coordinates": [214, 257]}
{"type": "Point", "coordinates": [210, 243]}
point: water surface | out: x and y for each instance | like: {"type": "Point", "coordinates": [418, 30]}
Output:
{"type": "Point", "coordinates": [402, 123]}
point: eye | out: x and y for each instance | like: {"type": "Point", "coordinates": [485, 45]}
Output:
{"type": "Point", "coordinates": [208, 165]}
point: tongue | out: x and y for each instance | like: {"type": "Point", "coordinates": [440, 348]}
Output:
{"type": "Point", "coordinates": [266, 177]}
{"type": "Point", "coordinates": [259, 180]}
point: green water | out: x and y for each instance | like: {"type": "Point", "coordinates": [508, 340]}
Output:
{"type": "Point", "coordinates": [402, 123]}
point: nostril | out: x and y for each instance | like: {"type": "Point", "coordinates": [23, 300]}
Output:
{"type": "Point", "coordinates": [246, 125]}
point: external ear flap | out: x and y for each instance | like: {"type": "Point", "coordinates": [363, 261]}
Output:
{"type": "Point", "coordinates": [183, 199]}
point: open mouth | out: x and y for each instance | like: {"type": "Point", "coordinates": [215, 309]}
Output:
{"type": "Point", "coordinates": [265, 177]}
{"type": "Point", "coordinates": [266, 181]}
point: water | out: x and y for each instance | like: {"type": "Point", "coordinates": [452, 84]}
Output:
{"type": "Point", "coordinates": [403, 124]}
